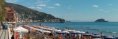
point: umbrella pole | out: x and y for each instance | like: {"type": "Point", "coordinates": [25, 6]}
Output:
{"type": "Point", "coordinates": [21, 35]}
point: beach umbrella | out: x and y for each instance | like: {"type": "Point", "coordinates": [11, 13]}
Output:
{"type": "Point", "coordinates": [65, 32]}
{"type": "Point", "coordinates": [20, 30]}
{"type": "Point", "coordinates": [46, 31]}
{"type": "Point", "coordinates": [75, 31]}
{"type": "Point", "coordinates": [43, 31]}
{"type": "Point", "coordinates": [57, 30]}
{"type": "Point", "coordinates": [79, 32]}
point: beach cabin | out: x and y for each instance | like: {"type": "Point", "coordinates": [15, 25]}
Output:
{"type": "Point", "coordinates": [10, 17]}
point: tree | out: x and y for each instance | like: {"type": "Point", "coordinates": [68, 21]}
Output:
{"type": "Point", "coordinates": [2, 10]}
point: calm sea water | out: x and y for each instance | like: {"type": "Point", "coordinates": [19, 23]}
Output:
{"type": "Point", "coordinates": [93, 27]}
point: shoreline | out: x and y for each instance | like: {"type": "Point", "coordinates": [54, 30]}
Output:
{"type": "Point", "coordinates": [48, 30]}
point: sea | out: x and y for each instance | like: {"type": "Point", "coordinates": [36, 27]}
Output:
{"type": "Point", "coordinates": [107, 28]}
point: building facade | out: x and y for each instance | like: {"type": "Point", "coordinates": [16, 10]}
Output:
{"type": "Point", "coordinates": [10, 14]}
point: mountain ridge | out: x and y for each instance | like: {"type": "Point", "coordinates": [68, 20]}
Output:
{"type": "Point", "coordinates": [27, 13]}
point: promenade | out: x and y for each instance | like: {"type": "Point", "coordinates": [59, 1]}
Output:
{"type": "Point", "coordinates": [4, 34]}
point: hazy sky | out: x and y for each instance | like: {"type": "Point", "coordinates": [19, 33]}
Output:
{"type": "Point", "coordinates": [75, 10]}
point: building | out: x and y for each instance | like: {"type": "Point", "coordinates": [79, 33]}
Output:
{"type": "Point", "coordinates": [10, 14]}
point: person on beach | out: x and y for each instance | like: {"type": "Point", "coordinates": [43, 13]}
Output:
{"type": "Point", "coordinates": [45, 36]}
{"type": "Point", "coordinates": [73, 36]}
{"type": "Point", "coordinates": [60, 36]}
{"type": "Point", "coordinates": [50, 36]}
{"type": "Point", "coordinates": [79, 36]}
{"type": "Point", "coordinates": [4, 27]}
{"type": "Point", "coordinates": [67, 36]}
{"type": "Point", "coordinates": [12, 37]}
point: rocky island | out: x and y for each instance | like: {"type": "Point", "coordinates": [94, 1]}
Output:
{"type": "Point", "coordinates": [101, 20]}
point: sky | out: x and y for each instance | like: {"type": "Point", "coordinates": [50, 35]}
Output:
{"type": "Point", "coordinates": [75, 10]}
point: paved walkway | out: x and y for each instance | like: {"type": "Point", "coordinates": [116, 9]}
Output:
{"type": "Point", "coordinates": [4, 34]}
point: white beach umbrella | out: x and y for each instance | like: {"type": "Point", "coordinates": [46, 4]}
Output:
{"type": "Point", "coordinates": [57, 30]}
{"type": "Point", "coordinates": [82, 32]}
{"type": "Point", "coordinates": [20, 29]}
{"type": "Point", "coordinates": [79, 32]}
{"type": "Point", "coordinates": [65, 32]}
{"type": "Point", "coordinates": [44, 31]}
